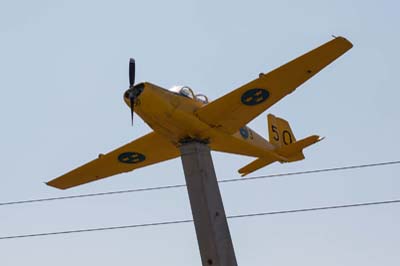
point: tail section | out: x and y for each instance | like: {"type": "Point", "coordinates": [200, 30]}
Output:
{"type": "Point", "coordinates": [287, 149]}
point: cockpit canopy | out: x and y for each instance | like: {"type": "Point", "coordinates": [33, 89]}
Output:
{"type": "Point", "coordinates": [188, 92]}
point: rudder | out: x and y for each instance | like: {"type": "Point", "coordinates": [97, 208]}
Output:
{"type": "Point", "coordinates": [280, 133]}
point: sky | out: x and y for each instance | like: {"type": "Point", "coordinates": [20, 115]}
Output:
{"type": "Point", "coordinates": [64, 68]}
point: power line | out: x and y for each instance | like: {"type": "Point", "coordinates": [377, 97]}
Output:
{"type": "Point", "coordinates": [188, 221]}
{"type": "Point", "coordinates": [333, 169]}
{"type": "Point", "coordinates": [342, 168]}
{"type": "Point", "coordinates": [93, 194]}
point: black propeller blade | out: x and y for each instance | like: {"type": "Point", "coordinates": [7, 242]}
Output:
{"type": "Point", "coordinates": [131, 85]}
{"type": "Point", "coordinates": [132, 104]}
{"type": "Point", "coordinates": [131, 72]}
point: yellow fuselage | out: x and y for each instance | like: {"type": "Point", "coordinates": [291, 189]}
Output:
{"type": "Point", "coordinates": [173, 116]}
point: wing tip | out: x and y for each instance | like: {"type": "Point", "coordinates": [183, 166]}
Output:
{"type": "Point", "coordinates": [344, 40]}
{"type": "Point", "coordinates": [54, 185]}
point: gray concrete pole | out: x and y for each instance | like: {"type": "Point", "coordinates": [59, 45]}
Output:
{"type": "Point", "coordinates": [209, 217]}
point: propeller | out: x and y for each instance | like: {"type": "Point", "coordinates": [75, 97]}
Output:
{"type": "Point", "coordinates": [134, 90]}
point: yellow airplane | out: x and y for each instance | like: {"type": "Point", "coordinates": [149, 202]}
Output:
{"type": "Point", "coordinates": [179, 115]}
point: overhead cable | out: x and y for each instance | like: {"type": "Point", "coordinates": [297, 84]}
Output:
{"type": "Point", "coordinates": [342, 168]}
{"type": "Point", "coordinates": [364, 204]}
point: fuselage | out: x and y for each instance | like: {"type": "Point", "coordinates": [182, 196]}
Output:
{"type": "Point", "coordinates": [173, 115]}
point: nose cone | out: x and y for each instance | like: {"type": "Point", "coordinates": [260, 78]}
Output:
{"type": "Point", "coordinates": [133, 92]}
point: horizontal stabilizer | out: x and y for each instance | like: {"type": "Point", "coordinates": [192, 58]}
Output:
{"type": "Point", "coordinates": [255, 165]}
{"type": "Point", "coordinates": [294, 151]}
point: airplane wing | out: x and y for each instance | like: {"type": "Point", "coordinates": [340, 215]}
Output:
{"type": "Point", "coordinates": [237, 108]}
{"type": "Point", "coordinates": [149, 149]}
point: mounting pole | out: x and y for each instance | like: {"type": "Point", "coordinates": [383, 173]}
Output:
{"type": "Point", "coordinates": [209, 217]}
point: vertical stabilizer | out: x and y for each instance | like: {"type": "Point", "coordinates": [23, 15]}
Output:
{"type": "Point", "coordinates": [280, 133]}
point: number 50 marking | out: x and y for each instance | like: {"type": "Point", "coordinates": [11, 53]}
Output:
{"type": "Point", "coordinates": [286, 136]}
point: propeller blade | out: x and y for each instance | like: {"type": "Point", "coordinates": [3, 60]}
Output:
{"type": "Point", "coordinates": [131, 72]}
{"type": "Point", "coordinates": [132, 104]}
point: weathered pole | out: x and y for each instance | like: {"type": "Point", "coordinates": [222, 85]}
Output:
{"type": "Point", "coordinates": [209, 217]}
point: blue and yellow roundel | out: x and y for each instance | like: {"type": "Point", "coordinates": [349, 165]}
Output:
{"type": "Point", "coordinates": [255, 96]}
{"type": "Point", "coordinates": [131, 157]}
{"type": "Point", "coordinates": [244, 132]}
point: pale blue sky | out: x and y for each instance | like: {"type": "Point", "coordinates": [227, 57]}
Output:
{"type": "Point", "coordinates": [64, 68]}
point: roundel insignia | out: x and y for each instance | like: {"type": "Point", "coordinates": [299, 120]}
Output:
{"type": "Point", "coordinates": [254, 96]}
{"type": "Point", "coordinates": [131, 157]}
{"type": "Point", "coordinates": [244, 132]}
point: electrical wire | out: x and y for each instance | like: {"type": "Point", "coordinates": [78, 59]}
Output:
{"type": "Point", "coordinates": [189, 220]}
{"type": "Point", "coordinates": [342, 168]}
